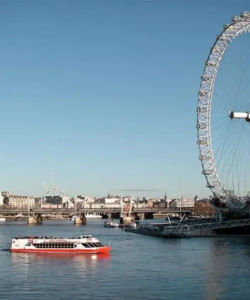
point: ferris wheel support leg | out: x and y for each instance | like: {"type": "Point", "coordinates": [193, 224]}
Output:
{"type": "Point", "coordinates": [239, 115]}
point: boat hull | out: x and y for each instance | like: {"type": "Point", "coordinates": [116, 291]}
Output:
{"type": "Point", "coordinates": [102, 250]}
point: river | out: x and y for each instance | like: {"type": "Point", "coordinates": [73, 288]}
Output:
{"type": "Point", "coordinates": [138, 267]}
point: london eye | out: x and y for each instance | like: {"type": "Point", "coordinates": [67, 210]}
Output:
{"type": "Point", "coordinates": [223, 114]}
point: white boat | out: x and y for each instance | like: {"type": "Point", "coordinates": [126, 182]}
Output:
{"type": "Point", "coordinates": [111, 224]}
{"type": "Point", "coordinates": [2, 220]}
{"type": "Point", "coordinates": [93, 216]}
{"type": "Point", "coordinates": [82, 244]}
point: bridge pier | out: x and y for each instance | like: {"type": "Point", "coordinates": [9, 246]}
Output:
{"type": "Point", "coordinates": [127, 220]}
{"type": "Point", "coordinates": [80, 219]}
{"type": "Point", "coordinates": [35, 219]}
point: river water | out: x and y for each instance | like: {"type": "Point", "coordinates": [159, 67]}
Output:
{"type": "Point", "coordinates": [138, 267]}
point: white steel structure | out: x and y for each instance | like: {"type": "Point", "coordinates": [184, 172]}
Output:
{"type": "Point", "coordinates": [239, 26]}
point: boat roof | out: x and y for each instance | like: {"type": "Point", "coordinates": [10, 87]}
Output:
{"type": "Point", "coordinates": [54, 237]}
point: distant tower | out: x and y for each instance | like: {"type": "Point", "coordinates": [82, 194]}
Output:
{"type": "Point", "coordinates": [165, 196]}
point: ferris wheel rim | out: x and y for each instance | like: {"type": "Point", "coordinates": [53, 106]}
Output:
{"type": "Point", "coordinates": [239, 26]}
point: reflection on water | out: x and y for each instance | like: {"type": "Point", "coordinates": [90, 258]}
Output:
{"type": "Point", "coordinates": [225, 258]}
{"type": "Point", "coordinates": [138, 267]}
{"type": "Point", "coordinates": [216, 267]}
{"type": "Point", "coordinates": [78, 263]}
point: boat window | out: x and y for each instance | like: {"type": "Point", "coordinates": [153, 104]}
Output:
{"type": "Point", "coordinates": [86, 245]}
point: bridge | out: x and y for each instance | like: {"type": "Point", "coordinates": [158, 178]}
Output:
{"type": "Point", "coordinates": [100, 211]}
{"type": "Point", "coordinates": [37, 214]}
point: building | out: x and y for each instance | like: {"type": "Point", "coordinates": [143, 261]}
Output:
{"type": "Point", "coordinates": [18, 201]}
{"type": "Point", "coordinates": [83, 201]}
{"type": "Point", "coordinates": [204, 208]}
{"type": "Point", "coordinates": [1, 199]}
{"type": "Point", "coordinates": [182, 203]}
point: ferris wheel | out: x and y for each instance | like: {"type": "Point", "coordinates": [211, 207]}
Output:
{"type": "Point", "coordinates": [223, 113]}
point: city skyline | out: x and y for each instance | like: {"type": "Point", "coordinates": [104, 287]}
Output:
{"type": "Point", "coordinates": [104, 94]}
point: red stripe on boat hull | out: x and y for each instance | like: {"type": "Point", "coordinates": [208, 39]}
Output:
{"type": "Point", "coordinates": [102, 250]}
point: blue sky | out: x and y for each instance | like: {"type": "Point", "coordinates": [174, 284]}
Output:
{"type": "Point", "coordinates": [103, 94]}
